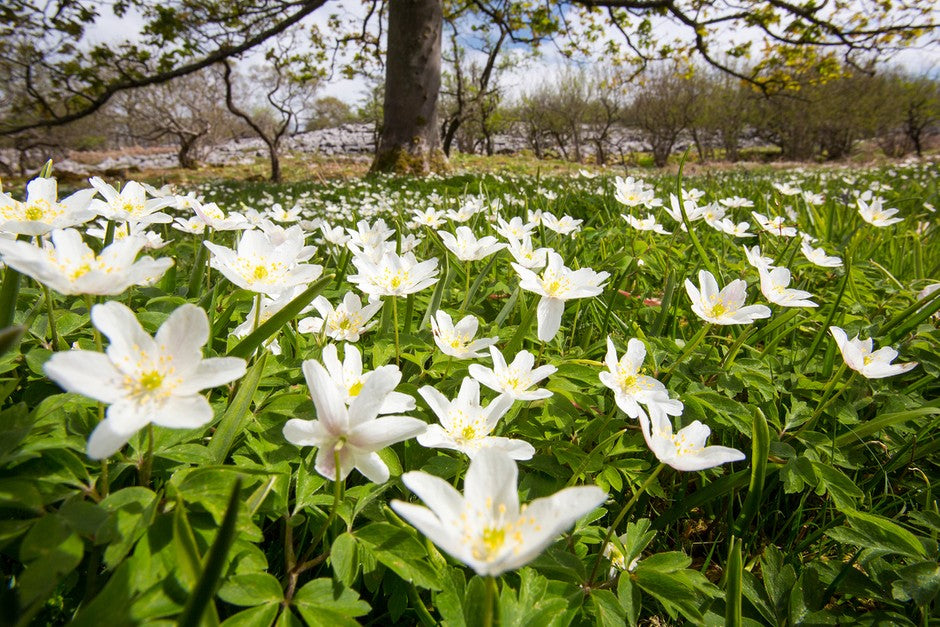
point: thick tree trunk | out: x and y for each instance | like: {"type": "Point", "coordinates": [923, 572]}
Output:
{"type": "Point", "coordinates": [411, 141]}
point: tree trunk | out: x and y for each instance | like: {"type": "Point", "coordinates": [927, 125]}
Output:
{"type": "Point", "coordinates": [275, 162]}
{"type": "Point", "coordinates": [185, 155]}
{"type": "Point", "coordinates": [411, 141]}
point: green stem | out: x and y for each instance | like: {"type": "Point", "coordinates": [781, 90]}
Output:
{"type": "Point", "coordinates": [489, 603]}
{"type": "Point", "coordinates": [450, 361]}
{"type": "Point", "coordinates": [825, 400]}
{"type": "Point", "coordinates": [466, 289]}
{"type": "Point", "coordinates": [420, 609]}
{"type": "Point", "coordinates": [108, 234]}
{"type": "Point", "coordinates": [337, 497]}
{"type": "Point", "coordinates": [395, 323]}
{"type": "Point", "coordinates": [733, 351]}
{"type": "Point", "coordinates": [8, 293]}
{"type": "Point", "coordinates": [53, 336]}
{"type": "Point", "coordinates": [146, 463]}
{"type": "Point", "coordinates": [623, 512]}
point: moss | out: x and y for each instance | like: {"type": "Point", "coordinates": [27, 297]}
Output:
{"type": "Point", "coordinates": [418, 161]}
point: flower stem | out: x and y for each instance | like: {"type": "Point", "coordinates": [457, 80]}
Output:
{"type": "Point", "coordinates": [53, 336]}
{"type": "Point", "coordinates": [450, 361]}
{"type": "Point", "coordinates": [337, 497]}
{"type": "Point", "coordinates": [146, 463]}
{"type": "Point", "coordinates": [8, 293]}
{"type": "Point", "coordinates": [623, 512]}
{"type": "Point", "coordinates": [466, 290]}
{"type": "Point", "coordinates": [689, 347]}
{"type": "Point", "coordinates": [395, 323]}
{"type": "Point", "coordinates": [825, 400]}
{"type": "Point", "coordinates": [489, 584]}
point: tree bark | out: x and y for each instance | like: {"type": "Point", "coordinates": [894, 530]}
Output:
{"type": "Point", "coordinates": [411, 141]}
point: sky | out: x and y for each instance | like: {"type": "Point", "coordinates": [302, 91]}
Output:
{"type": "Point", "coordinates": [517, 80]}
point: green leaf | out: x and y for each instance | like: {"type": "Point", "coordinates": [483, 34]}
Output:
{"type": "Point", "coordinates": [236, 415]}
{"type": "Point", "coordinates": [323, 603]}
{"type": "Point", "coordinates": [400, 551]}
{"type": "Point", "coordinates": [247, 346]}
{"type": "Point", "coordinates": [876, 532]}
{"type": "Point", "coordinates": [344, 557]}
{"type": "Point", "coordinates": [50, 551]}
{"type": "Point", "coordinates": [251, 589]}
{"type": "Point", "coordinates": [733, 584]}
{"type": "Point", "coordinates": [200, 600]}
{"type": "Point", "coordinates": [133, 510]}
{"type": "Point", "coordinates": [918, 582]}
{"type": "Point", "coordinates": [607, 609]}
{"type": "Point", "coordinates": [261, 616]}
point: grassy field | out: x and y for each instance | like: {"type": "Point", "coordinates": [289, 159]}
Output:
{"type": "Point", "coordinates": [254, 500]}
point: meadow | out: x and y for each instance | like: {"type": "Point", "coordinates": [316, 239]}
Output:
{"type": "Point", "coordinates": [706, 432]}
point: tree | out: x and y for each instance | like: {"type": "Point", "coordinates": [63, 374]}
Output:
{"type": "Point", "coordinates": [189, 109]}
{"type": "Point", "coordinates": [47, 58]}
{"type": "Point", "coordinates": [329, 112]}
{"type": "Point", "coordinates": [280, 90]}
{"type": "Point", "coordinates": [662, 109]}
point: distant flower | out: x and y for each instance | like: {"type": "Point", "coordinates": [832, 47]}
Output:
{"type": "Point", "coordinates": [465, 425]}
{"type": "Point", "coordinates": [367, 238]}
{"type": "Point", "coordinates": [260, 265]}
{"type": "Point", "coordinates": [394, 275]}
{"type": "Point", "coordinates": [334, 235]}
{"type": "Point", "coordinates": [818, 256]}
{"type": "Point", "coordinates": [685, 450]}
{"type": "Point", "coordinates": [457, 340]}
{"type": "Point", "coordinates": [471, 206]}
{"type": "Point", "coordinates": [514, 229]}
{"type": "Point", "coordinates": [69, 266]}
{"type": "Point", "coordinates": [556, 285]}
{"type": "Point", "coordinates": [757, 259]}
{"type": "Point", "coordinates": [356, 433]}
{"type": "Point", "coordinates": [632, 388]}
{"type": "Point", "coordinates": [484, 527]}
{"type": "Point", "coordinates": [725, 306]}
{"type": "Point", "coordinates": [215, 218]}
{"type": "Point", "coordinates": [787, 189]}
{"type": "Point", "coordinates": [813, 199]}
{"type": "Point", "coordinates": [346, 322]}
{"type": "Point", "coordinates": [741, 229]}
{"type": "Point", "coordinates": [517, 380]}
{"type": "Point", "coordinates": [279, 214]}
{"type": "Point", "coordinates": [736, 202]}
{"type": "Point", "coordinates": [875, 214]}
{"type": "Point", "coordinates": [42, 212]}
{"type": "Point", "coordinates": [152, 239]}
{"type": "Point", "coordinates": [634, 193]}
{"type": "Point", "coordinates": [130, 204]}
{"type": "Point", "coordinates": [646, 224]}
{"type": "Point", "coordinates": [565, 225]}
{"type": "Point", "coordinates": [859, 356]}
{"type": "Point", "coordinates": [144, 379]}
{"type": "Point", "coordinates": [466, 246]}
{"type": "Point", "coordinates": [692, 211]}
{"type": "Point", "coordinates": [774, 285]}
{"type": "Point", "coordinates": [429, 217]}
{"type": "Point", "coordinates": [775, 225]}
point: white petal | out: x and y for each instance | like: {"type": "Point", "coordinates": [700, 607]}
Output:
{"type": "Point", "coordinates": [549, 314]}
{"type": "Point", "coordinates": [182, 412]}
{"type": "Point", "coordinates": [85, 372]}
{"type": "Point", "coordinates": [212, 372]}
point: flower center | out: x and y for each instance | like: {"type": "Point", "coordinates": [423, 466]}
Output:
{"type": "Point", "coordinates": [493, 539]}
{"type": "Point", "coordinates": [260, 272]}
{"type": "Point", "coordinates": [718, 310]}
{"type": "Point", "coordinates": [150, 381]}
{"type": "Point", "coordinates": [355, 388]}
{"type": "Point", "coordinates": [34, 212]}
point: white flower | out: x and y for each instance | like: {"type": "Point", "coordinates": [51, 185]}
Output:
{"type": "Point", "coordinates": [725, 306]}
{"type": "Point", "coordinates": [734, 202]}
{"type": "Point", "coordinates": [818, 256]}
{"type": "Point", "coordinates": [686, 449]}
{"type": "Point", "coordinates": [279, 214]}
{"type": "Point", "coordinates": [514, 229]}
{"type": "Point", "coordinates": [631, 388]}
{"type": "Point", "coordinates": [485, 527]}
{"type": "Point", "coordinates": [646, 224]}
{"type": "Point", "coordinates": [347, 322]}
{"type": "Point", "coordinates": [69, 266]}
{"type": "Point", "coordinates": [466, 425]}
{"type": "Point", "coordinates": [726, 225]}
{"type": "Point", "coordinates": [429, 217]}
{"type": "Point", "coordinates": [41, 212]}
{"type": "Point", "coordinates": [525, 255]}
{"type": "Point", "coordinates": [153, 241]}
{"type": "Point", "coordinates": [516, 379]}
{"type": "Point", "coordinates": [394, 275]}
{"type": "Point", "coordinates": [566, 225]}
{"type": "Point", "coordinates": [457, 340]}
{"type": "Point", "coordinates": [466, 247]}
{"type": "Point", "coordinates": [354, 433]}
{"type": "Point", "coordinates": [471, 206]}
{"type": "Point", "coordinates": [261, 265]}
{"type": "Point", "coordinates": [633, 193]}
{"type": "Point", "coordinates": [787, 188]}
{"type": "Point", "coordinates": [193, 225]}
{"type": "Point", "coordinates": [215, 218]}
{"type": "Point", "coordinates": [368, 237]}
{"type": "Point", "coordinates": [875, 215]}
{"type": "Point", "coordinates": [774, 226]}
{"type": "Point", "coordinates": [348, 378]}
{"type": "Point", "coordinates": [334, 235]}
{"type": "Point", "coordinates": [692, 211]}
{"type": "Point", "coordinates": [756, 259]}
{"type": "Point", "coordinates": [774, 285]}
{"type": "Point", "coordinates": [130, 204]}
{"type": "Point", "coordinates": [144, 379]}
{"type": "Point", "coordinates": [557, 285]}
{"type": "Point", "coordinates": [859, 356]}
{"type": "Point", "coordinates": [813, 199]}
